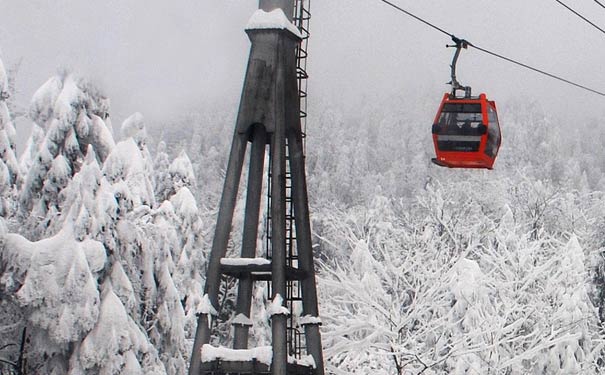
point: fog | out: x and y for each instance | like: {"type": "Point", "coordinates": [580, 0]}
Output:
{"type": "Point", "coordinates": [163, 58]}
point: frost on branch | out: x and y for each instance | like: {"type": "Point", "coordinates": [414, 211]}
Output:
{"type": "Point", "coordinates": [471, 310]}
{"type": "Point", "coordinates": [572, 353]}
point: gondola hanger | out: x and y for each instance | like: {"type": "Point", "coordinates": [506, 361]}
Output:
{"type": "Point", "coordinates": [466, 132]}
{"type": "Point", "coordinates": [459, 45]}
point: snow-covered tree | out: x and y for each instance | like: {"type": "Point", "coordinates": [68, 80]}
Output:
{"type": "Point", "coordinates": [468, 288]}
{"type": "Point", "coordinates": [161, 176]}
{"type": "Point", "coordinates": [70, 115]}
{"type": "Point", "coordinates": [55, 281]}
{"type": "Point", "coordinates": [123, 290]}
{"type": "Point", "coordinates": [574, 319]}
{"type": "Point", "coordinates": [9, 167]}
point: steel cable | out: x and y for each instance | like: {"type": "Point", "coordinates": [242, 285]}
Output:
{"type": "Point", "coordinates": [494, 54]}
{"type": "Point", "coordinates": [581, 16]}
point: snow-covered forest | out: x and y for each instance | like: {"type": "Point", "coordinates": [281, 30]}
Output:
{"type": "Point", "coordinates": [106, 228]}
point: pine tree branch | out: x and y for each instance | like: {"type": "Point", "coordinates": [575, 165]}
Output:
{"type": "Point", "coordinates": [2, 360]}
{"type": "Point", "coordinates": [7, 345]}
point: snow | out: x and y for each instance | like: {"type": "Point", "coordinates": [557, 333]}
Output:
{"type": "Point", "coordinates": [305, 360]}
{"type": "Point", "coordinates": [103, 139]}
{"type": "Point", "coordinates": [132, 365]}
{"type": "Point", "coordinates": [5, 179]}
{"type": "Point", "coordinates": [3, 81]}
{"type": "Point", "coordinates": [134, 127]}
{"type": "Point", "coordinates": [114, 333]}
{"type": "Point", "coordinates": [122, 286]}
{"type": "Point", "coordinates": [67, 100]}
{"type": "Point", "coordinates": [276, 19]}
{"type": "Point", "coordinates": [95, 254]}
{"type": "Point", "coordinates": [263, 354]}
{"type": "Point", "coordinates": [125, 164]}
{"type": "Point", "coordinates": [276, 307]}
{"type": "Point", "coordinates": [42, 104]}
{"type": "Point", "coordinates": [468, 276]}
{"type": "Point", "coordinates": [181, 169]}
{"type": "Point", "coordinates": [184, 204]}
{"type": "Point", "coordinates": [205, 306]}
{"type": "Point", "coordinates": [31, 148]}
{"type": "Point", "coordinates": [71, 145]}
{"type": "Point", "coordinates": [308, 319]}
{"type": "Point", "coordinates": [242, 320]}
{"type": "Point", "coordinates": [83, 125]}
{"type": "Point", "coordinates": [6, 124]}
{"type": "Point", "coordinates": [60, 169]}
{"type": "Point", "coordinates": [58, 284]}
{"type": "Point", "coordinates": [17, 255]}
{"type": "Point", "coordinates": [245, 261]}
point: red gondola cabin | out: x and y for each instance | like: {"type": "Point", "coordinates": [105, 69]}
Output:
{"type": "Point", "coordinates": [466, 133]}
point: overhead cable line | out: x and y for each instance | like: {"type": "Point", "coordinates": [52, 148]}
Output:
{"type": "Point", "coordinates": [417, 18]}
{"type": "Point", "coordinates": [537, 70]}
{"type": "Point", "coordinates": [600, 3]}
{"type": "Point", "coordinates": [494, 53]}
{"type": "Point", "coordinates": [581, 16]}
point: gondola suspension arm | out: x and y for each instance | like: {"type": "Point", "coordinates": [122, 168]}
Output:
{"type": "Point", "coordinates": [459, 44]}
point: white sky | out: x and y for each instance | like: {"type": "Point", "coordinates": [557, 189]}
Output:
{"type": "Point", "coordinates": [159, 57]}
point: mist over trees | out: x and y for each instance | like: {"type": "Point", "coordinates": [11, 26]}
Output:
{"type": "Point", "coordinates": [105, 232]}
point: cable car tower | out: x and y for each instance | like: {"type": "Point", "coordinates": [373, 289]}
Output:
{"type": "Point", "coordinates": [269, 116]}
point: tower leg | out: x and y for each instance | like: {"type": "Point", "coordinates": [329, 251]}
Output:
{"type": "Point", "coordinates": [304, 245]}
{"type": "Point", "coordinates": [219, 244]}
{"type": "Point", "coordinates": [251, 220]}
{"type": "Point", "coordinates": [278, 244]}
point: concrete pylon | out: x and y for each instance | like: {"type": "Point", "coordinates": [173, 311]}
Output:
{"type": "Point", "coordinates": [268, 115]}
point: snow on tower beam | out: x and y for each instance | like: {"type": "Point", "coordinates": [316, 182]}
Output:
{"type": "Point", "coordinates": [260, 272]}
